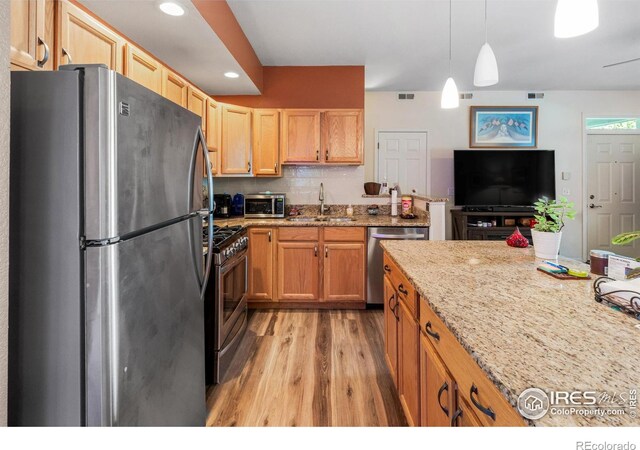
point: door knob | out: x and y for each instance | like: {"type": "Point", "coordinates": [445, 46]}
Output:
{"type": "Point", "coordinates": [592, 196]}
{"type": "Point", "coordinates": [592, 206]}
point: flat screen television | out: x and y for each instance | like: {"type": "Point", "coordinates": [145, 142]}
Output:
{"type": "Point", "coordinates": [503, 178]}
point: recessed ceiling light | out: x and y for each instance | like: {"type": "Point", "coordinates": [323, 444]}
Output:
{"type": "Point", "coordinates": [231, 75]}
{"type": "Point", "coordinates": [171, 8]}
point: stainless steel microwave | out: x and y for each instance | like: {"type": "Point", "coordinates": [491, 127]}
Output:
{"type": "Point", "coordinates": [261, 206]}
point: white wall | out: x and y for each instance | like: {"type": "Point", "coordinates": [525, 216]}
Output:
{"type": "Point", "coordinates": [4, 203]}
{"type": "Point", "coordinates": [559, 128]}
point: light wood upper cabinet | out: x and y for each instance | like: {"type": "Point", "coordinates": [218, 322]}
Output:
{"type": "Point", "coordinates": [214, 119]}
{"type": "Point", "coordinates": [197, 104]}
{"type": "Point", "coordinates": [342, 137]}
{"type": "Point", "coordinates": [174, 87]}
{"type": "Point", "coordinates": [391, 328]}
{"type": "Point", "coordinates": [300, 136]}
{"type": "Point", "coordinates": [437, 388]}
{"type": "Point", "coordinates": [81, 39]}
{"type": "Point", "coordinates": [32, 43]}
{"type": "Point", "coordinates": [235, 155]}
{"type": "Point", "coordinates": [408, 367]}
{"type": "Point", "coordinates": [266, 142]}
{"type": "Point", "coordinates": [261, 257]}
{"type": "Point", "coordinates": [344, 271]}
{"type": "Point", "coordinates": [298, 271]}
{"type": "Point", "coordinates": [142, 68]}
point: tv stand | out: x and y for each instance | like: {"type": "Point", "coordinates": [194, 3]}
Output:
{"type": "Point", "coordinates": [465, 226]}
{"type": "Point", "coordinates": [505, 209]}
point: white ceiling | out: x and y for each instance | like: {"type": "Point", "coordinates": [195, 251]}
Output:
{"type": "Point", "coordinates": [404, 43]}
{"type": "Point", "coordinates": [187, 43]}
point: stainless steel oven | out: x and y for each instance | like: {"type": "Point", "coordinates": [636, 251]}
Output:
{"type": "Point", "coordinates": [261, 206]}
{"type": "Point", "coordinates": [226, 304]}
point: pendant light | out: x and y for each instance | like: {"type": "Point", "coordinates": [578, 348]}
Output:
{"type": "Point", "coordinates": [450, 97]}
{"type": "Point", "coordinates": [486, 73]}
{"type": "Point", "coordinates": [575, 17]}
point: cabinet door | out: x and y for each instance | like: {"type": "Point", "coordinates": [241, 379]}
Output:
{"type": "Point", "coordinates": [197, 104]}
{"type": "Point", "coordinates": [84, 40]}
{"type": "Point", "coordinates": [28, 39]}
{"type": "Point", "coordinates": [464, 415]}
{"type": "Point", "coordinates": [143, 69]}
{"type": "Point", "coordinates": [300, 136]}
{"type": "Point", "coordinates": [214, 119]}
{"type": "Point", "coordinates": [342, 137]}
{"type": "Point", "coordinates": [235, 155]}
{"type": "Point", "coordinates": [408, 362]}
{"type": "Point", "coordinates": [266, 142]}
{"type": "Point", "coordinates": [261, 244]}
{"type": "Point", "coordinates": [174, 87]}
{"type": "Point", "coordinates": [437, 388]}
{"type": "Point", "coordinates": [391, 328]}
{"type": "Point", "coordinates": [344, 272]}
{"type": "Point", "coordinates": [298, 271]}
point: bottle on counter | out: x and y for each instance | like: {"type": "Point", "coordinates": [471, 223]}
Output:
{"type": "Point", "coordinates": [407, 205]}
{"type": "Point", "coordinates": [394, 202]}
{"type": "Point", "coordinates": [384, 190]}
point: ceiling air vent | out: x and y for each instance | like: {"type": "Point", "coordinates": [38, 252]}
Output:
{"type": "Point", "coordinates": [466, 96]}
{"type": "Point", "coordinates": [406, 96]}
{"type": "Point", "coordinates": [534, 95]}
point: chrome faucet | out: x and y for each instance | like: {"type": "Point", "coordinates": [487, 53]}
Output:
{"type": "Point", "coordinates": [323, 208]}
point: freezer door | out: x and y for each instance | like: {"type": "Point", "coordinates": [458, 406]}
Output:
{"type": "Point", "coordinates": [145, 330]}
{"type": "Point", "coordinates": [140, 150]}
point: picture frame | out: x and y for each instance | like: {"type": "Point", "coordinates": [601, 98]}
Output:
{"type": "Point", "coordinates": [503, 127]}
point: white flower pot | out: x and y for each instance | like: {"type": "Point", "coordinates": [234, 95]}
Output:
{"type": "Point", "coordinates": [546, 245]}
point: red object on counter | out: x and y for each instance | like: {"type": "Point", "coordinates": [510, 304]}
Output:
{"type": "Point", "coordinates": [517, 240]}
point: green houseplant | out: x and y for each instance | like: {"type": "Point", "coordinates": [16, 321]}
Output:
{"type": "Point", "coordinates": [550, 220]}
{"type": "Point", "coordinates": [626, 238]}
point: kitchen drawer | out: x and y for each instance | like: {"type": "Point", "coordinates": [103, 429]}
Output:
{"type": "Point", "coordinates": [405, 289]}
{"type": "Point", "coordinates": [298, 233]}
{"type": "Point", "coordinates": [467, 374]}
{"type": "Point", "coordinates": [344, 234]}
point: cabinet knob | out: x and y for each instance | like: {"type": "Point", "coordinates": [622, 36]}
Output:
{"type": "Point", "coordinates": [326, 155]}
{"type": "Point", "coordinates": [269, 236]}
{"type": "Point", "coordinates": [315, 250]}
{"type": "Point", "coordinates": [326, 251]}
{"type": "Point", "coordinates": [473, 392]}
{"type": "Point", "coordinates": [249, 167]}
{"type": "Point", "coordinates": [45, 58]}
{"type": "Point", "coordinates": [430, 332]}
{"type": "Point", "coordinates": [387, 268]}
{"type": "Point", "coordinates": [317, 155]}
{"type": "Point", "coordinates": [66, 53]}
{"type": "Point", "coordinates": [402, 289]}
{"type": "Point", "coordinates": [444, 387]}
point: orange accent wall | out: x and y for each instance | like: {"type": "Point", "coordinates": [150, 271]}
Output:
{"type": "Point", "coordinates": [220, 18]}
{"type": "Point", "coordinates": [306, 87]}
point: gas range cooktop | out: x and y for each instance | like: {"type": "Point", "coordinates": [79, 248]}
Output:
{"type": "Point", "coordinates": [227, 241]}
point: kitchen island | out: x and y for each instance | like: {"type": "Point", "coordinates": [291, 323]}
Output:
{"type": "Point", "coordinates": [524, 328]}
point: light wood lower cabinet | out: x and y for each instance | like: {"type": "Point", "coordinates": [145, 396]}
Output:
{"type": "Point", "coordinates": [261, 258]}
{"type": "Point", "coordinates": [81, 39]}
{"type": "Point", "coordinates": [298, 271]}
{"type": "Point", "coordinates": [344, 271]}
{"type": "Point", "coordinates": [391, 328]}
{"type": "Point", "coordinates": [437, 388]}
{"type": "Point", "coordinates": [408, 364]}
{"type": "Point", "coordinates": [143, 69]}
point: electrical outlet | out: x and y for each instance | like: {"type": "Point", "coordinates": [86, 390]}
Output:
{"type": "Point", "coordinates": [566, 191]}
{"type": "Point", "coordinates": [451, 191]}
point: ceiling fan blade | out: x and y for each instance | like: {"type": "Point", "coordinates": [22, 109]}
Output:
{"type": "Point", "coordinates": [621, 62]}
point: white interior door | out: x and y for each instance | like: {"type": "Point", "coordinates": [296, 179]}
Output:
{"type": "Point", "coordinates": [402, 159]}
{"type": "Point", "coordinates": [613, 190]}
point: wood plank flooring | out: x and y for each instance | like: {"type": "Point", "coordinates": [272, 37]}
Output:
{"type": "Point", "coordinates": [308, 368]}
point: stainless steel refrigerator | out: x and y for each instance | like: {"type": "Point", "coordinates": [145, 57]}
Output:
{"type": "Point", "coordinates": [107, 270]}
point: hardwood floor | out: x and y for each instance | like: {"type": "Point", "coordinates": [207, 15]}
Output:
{"type": "Point", "coordinates": [308, 368]}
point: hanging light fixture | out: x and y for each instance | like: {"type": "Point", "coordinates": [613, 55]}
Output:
{"type": "Point", "coordinates": [450, 97]}
{"type": "Point", "coordinates": [575, 17]}
{"type": "Point", "coordinates": [486, 73]}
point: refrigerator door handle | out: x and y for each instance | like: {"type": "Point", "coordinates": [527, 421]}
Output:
{"type": "Point", "coordinates": [207, 164]}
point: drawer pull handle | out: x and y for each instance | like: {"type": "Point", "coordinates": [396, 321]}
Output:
{"type": "Point", "coordinates": [488, 411]}
{"type": "Point", "coordinates": [269, 236]}
{"type": "Point", "coordinates": [402, 289]}
{"type": "Point", "coordinates": [454, 418]}
{"type": "Point", "coordinates": [392, 308]}
{"type": "Point", "coordinates": [45, 58]}
{"type": "Point", "coordinates": [430, 332]}
{"type": "Point", "coordinates": [444, 387]}
{"type": "Point", "coordinates": [387, 268]}
{"type": "Point", "coordinates": [315, 251]}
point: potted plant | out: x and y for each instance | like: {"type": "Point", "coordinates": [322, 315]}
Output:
{"type": "Point", "coordinates": [626, 238]}
{"type": "Point", "coordinates": [550, 220]}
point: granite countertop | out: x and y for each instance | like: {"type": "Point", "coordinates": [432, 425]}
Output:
{"type": "Point", "coordinates": [525, 328]}
{"type": "Point", "coordinates": [361, 221]}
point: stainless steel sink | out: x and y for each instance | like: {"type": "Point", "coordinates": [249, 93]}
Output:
{"type": "Point", "coordinates": [340, 219]}
{"type": "Point", "coordinates": [302, 219]}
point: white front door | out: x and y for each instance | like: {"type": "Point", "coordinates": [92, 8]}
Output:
{"type": "Point", "coordinates": [402, 159]}
{"type": "Point", "coordinates": [613, 190]}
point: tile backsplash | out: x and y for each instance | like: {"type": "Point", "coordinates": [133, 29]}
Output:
{"type": "Point", "coordinates": [342, 185]}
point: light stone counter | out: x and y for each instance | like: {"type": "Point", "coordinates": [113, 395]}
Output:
{"type": "Point", "coordinates": [524, 328]}
{"type": "Point", "coordinates": [360, 221]}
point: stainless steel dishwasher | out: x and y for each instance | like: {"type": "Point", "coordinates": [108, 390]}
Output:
{"type": "Point", "coordinates": [374, 262]}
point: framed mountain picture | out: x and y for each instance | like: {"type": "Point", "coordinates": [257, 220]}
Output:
{"type": "Point", "coordinates": [503, 127]}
